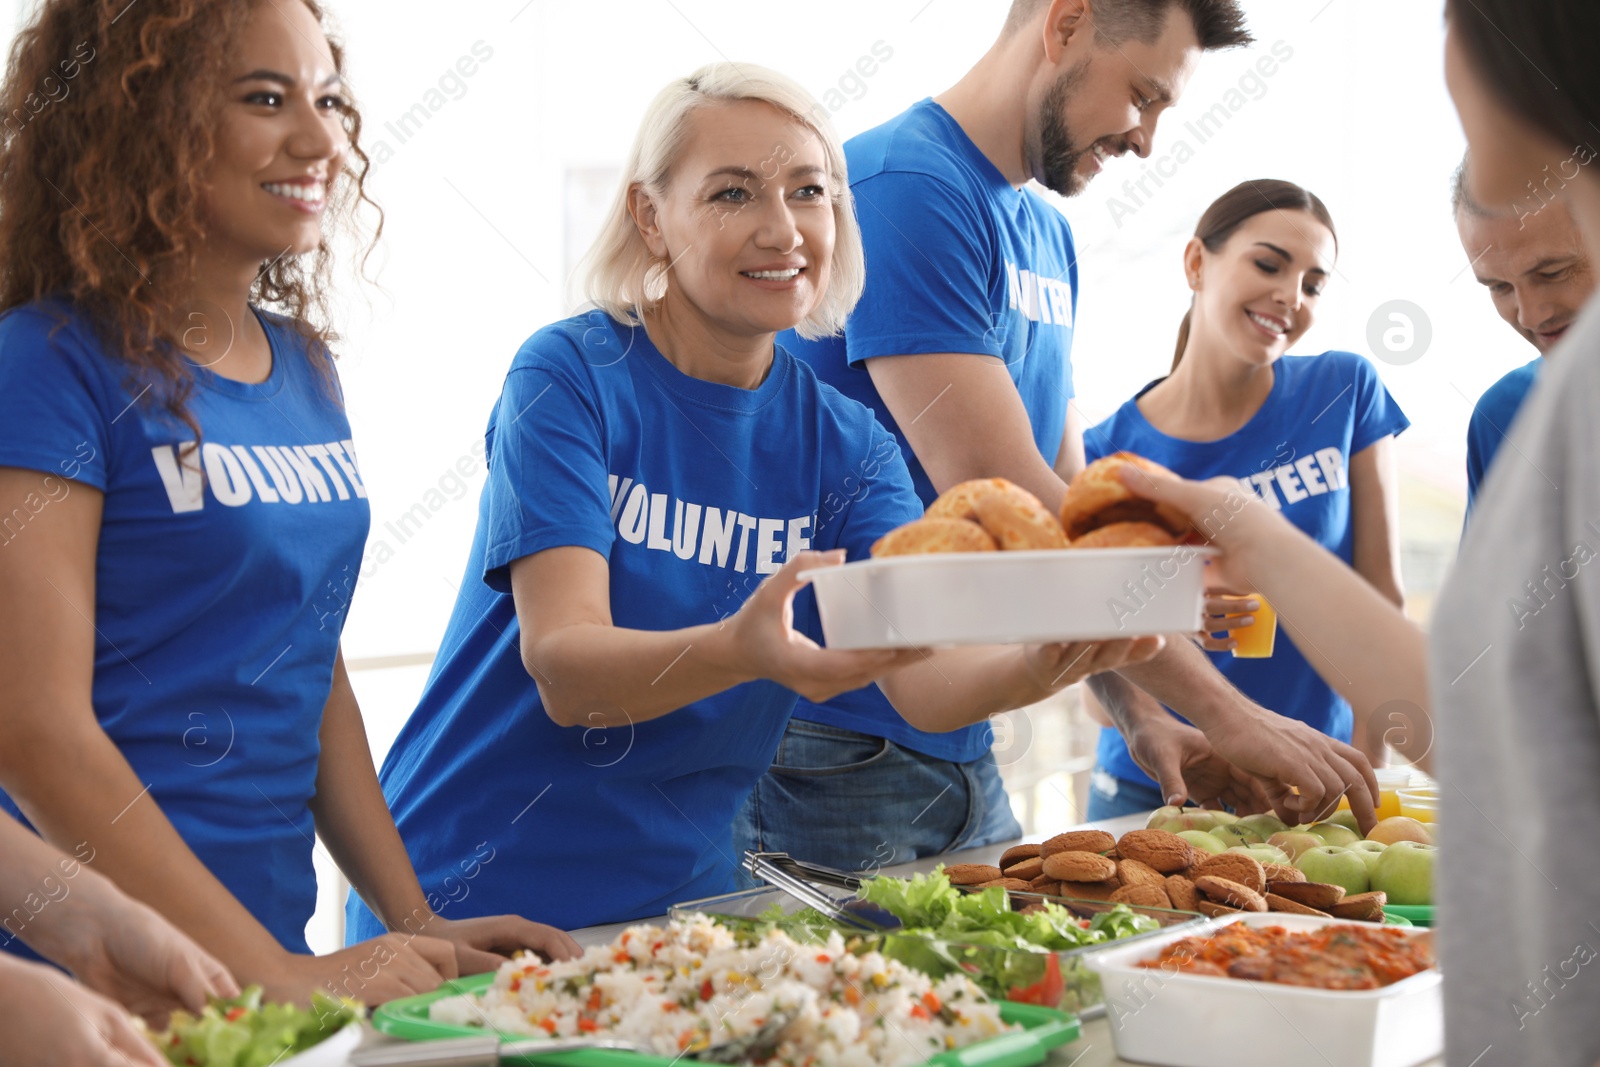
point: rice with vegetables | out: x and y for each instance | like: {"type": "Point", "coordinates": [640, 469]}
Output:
{"type": "Point", "coordinates": [693, 983]}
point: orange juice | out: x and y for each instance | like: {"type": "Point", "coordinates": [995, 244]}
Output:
{"type": "Point", "coordinates": [1420, 804]}
{"type": "Point", "coordinates": [1256, 640]}
{"type": "Point", "coordinates": [1390, 781]}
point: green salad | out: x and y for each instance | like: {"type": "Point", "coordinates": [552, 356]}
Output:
{"type": "Point", "coordinates": [243, 1032]}
{"type": "Point", "coordinates": [1010, 955]}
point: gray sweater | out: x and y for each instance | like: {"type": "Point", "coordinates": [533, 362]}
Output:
{"type": "Point", "coordinates": [1516, 690]}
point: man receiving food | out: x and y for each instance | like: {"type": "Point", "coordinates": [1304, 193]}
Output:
{"type": "Point", "coordinates": [965, 334]}
{"type": "Point", "coordinates": [1533, 264]}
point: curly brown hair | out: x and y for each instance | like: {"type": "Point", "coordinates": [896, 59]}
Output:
{"type": "Point", "coordinates": [108, 122]}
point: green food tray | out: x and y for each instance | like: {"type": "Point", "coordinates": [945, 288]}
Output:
{"type": "Point", "coordinates": [1419, 914]}
{"type": "Point", "coordinates": [1045, 1030]}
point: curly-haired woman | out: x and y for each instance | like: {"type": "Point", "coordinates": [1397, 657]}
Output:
{"type": "Point", "coordinates": [181, 510]}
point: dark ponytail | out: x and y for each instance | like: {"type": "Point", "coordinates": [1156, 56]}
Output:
{"type": "Point", "coordinates": [1236, 207]}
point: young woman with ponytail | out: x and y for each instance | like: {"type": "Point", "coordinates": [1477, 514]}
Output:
{"type": "Point", "coordinates": [1307, 435]}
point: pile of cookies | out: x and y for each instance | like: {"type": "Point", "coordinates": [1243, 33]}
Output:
{"type": "Point", "coordinates": [1157, 869]}
{"type": "Point", "coordinates": [992, 514]}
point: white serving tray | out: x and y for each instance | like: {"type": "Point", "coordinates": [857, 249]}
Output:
{"type": "Point", "coordinates": [999, 598]}
{"type": "Point", "coordinates": [1181, 1020]}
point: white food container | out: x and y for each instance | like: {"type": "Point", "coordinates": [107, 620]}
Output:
{"type": "Point", "coordinates": [1181, 1020]}
{"type": "Point", "coordinates": [998, 598]}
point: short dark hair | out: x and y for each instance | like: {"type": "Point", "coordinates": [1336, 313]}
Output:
{"type": "Point", "coordinates": [1461, 197]}
{"type": "Point", "coordinates": [1217, 23]}
{"type": "Point", "coordinates": [1537, 57]}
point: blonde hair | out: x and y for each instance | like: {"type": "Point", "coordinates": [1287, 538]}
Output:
{"type": "Point", "coordinates": [619, 274]}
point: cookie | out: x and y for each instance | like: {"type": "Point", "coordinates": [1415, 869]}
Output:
{"type": "Point", "coordinates": [1366, 907]}
{"type": "Point", "coordinates": [1016, 884]}
{"type": "Point", "coordinates": [1281, 872]}
{"type": "Point", "coordinates": [1317, 895]}
{"type": "Point", "coordinates": [1234, 866]}
{"type": "Point", "coordinates": [1226, 891]}
{"type": "Point", "coordinates": [1167, 853]}
{"type": "Point", "coordinates": [1045, 885]}
{"type": "Point", "coordinates": [1132, 872]}
{"type": "Point", "coordinates": [1212, 910]}
{"type": "Point", "coordinates": [1182, 893]}
{"type": "Point", "coordinates": [1078, 841]}
{"type": "Point", "coordinates": [1142, 895]}
{"type": "Point", "coordinates": [1090, 890]}
{"type": "Point", "coordinates": [972, 873]}
{"type": "Point", "coordinates": [1018, 853]}
{"type": "Point", "coordinates": [934, 535]}
{"type": "Point", "coordinates": [1027, 869]}
{"type": "Point", "coordinates": [1079, 867]}
{"type": "Point", "coordinates": [1291, 907]}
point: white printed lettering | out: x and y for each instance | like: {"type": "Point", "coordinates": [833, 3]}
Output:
{"type": "Point", "coordinates": [325, 461]}
{"type": "Point", "coordinates": [1290, 484]}
{"type": "Point", "coordinates": [658, 523]}
{"type": "Point", "coordinates": [718, 537]}
{"type": "Point", "coordinates": [228, 482]}
{"type": "Point", "coordinates": [1307, 468]}
{"type": "Point", "coordinates": [767, 545]}
{"type": "Point", "coordinates": [182, 481]}
{"type": "Point", "coordinates": [634, 515]}
{"type": "Point", "coordinates": [265, 491]}
{"type": "Point", "coordinates": [277, 469]}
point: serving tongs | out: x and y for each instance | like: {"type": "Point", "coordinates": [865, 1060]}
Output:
{"type": "Point", "coordinates": [864, 917]}
{"type": "Point", "coordinates": [811, 872]}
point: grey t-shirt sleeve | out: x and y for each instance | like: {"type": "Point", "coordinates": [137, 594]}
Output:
{"type": "Point", "coordinates": [1516, 655]}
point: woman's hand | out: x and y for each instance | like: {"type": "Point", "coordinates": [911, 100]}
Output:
{"type": "Point", "coordinates": [1186, 767]}
{"type": "Point", "coordinates": [51, 1021]}
{"type": "Point", "coordinates": [1221, 511]}
{"type": "Point", "coordinates": [765, 643]}
{"type": "Point", "coordinates": [1056, 666]}
{"type": "Point", "coordinates": [483, 944]}
{"type": "Point", "coordinates": [124, 950]}
{"type": "Point", "coordinates": [1222, 617]}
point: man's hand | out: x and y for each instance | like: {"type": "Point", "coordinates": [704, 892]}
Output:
{"type": "Point", "coordinates": [1187, 768]}
{"type": "Point", "coordinates": [1303, 772]}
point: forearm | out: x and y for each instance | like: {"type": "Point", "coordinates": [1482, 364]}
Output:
{"type": "Point", "coordinates": [354, 821]}
{"type": "Point", "coordinates": [43, 891]}
{"type": "Point", "coordinates": [1359, 642]}
{"type": "Point", "coordinates": [597, 675]}
{"type": "Point", "coordinates": [1182, 678]}
{"type": "Point", "coordinates": [956, 687]}
{"type": "Point", "coordinates": [118, 826]}
{"type": "Point", "coordinates": [1126, 704]}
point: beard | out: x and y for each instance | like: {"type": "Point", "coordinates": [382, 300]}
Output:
{"type": "Point", "coordinates": [1059, 152]}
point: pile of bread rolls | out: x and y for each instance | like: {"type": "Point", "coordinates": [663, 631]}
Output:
{"type": "Point", "coordinates": [1157, 869]}
{"type": "Point", "coordinates": [992, 514]}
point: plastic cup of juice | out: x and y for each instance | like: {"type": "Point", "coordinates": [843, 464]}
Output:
{"type": "Point", "coordinates": [1257, 639]}
{"type": "Point", "coordinates": [1420, 804]}
{"type": "Point", "coordinates": [1390, 781]}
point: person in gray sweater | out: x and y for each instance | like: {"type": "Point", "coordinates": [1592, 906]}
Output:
{"type": "Point", "coordinates": [1512, 674]}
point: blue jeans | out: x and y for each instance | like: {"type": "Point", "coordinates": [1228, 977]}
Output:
{"type": "Point", "coordinates": [1111, 797]}
{"type": "Point", "coordinates": [858, 802]}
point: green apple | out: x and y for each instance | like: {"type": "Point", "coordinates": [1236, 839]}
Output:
{"type": "Point", "coordinates": [1295, 842]}
{"type": "Point", "coordinates": [1335, 866]}
{"type": "Point", "coordinates": [1161, 816]}
{"type": "Point", "coordinates": [1334, 834]}
{"type": "Point", "coordinates": [1265, 825]}
{"type": "Point", "coordinates": [1262, 853]}
{"type": "Point", "coordinates": [1406, 872]}
{"type": "Point", "coordinates": [1223, 818]}
{"type": "Point", "coordinates": [1399, 828]}
{"type": "Point", "coordinates": [1369, 851]}
{"type": "Point", "coordinates": [1237, 834]}
{"type": "Point", "coordinates": [1345, 818]}
{"type": "Point", "coordinates": [1203, 841]}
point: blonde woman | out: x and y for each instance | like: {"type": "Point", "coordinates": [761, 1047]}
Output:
{"type": "Point", "coordinates": [657, 469]}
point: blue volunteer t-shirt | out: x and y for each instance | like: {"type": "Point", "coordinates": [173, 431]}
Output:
{"type": "Point", "coordinates": [694, 492]}
{"type": "Point", "coordinates": [221, 586]}
{"type": "Point", "coordinates": [1294, 455]}
{"type": "Point", "coordinates": [1491, 420]}
{"type": "Point", "coordinates": [957, 261]}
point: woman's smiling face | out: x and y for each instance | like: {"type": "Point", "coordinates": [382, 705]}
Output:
{"type": "Point", "coordinates": [747, 218]}
{"type": "Point", "coordinates": [1258, 293]}
{"type": "Point", "coordinates": [281, 142]}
